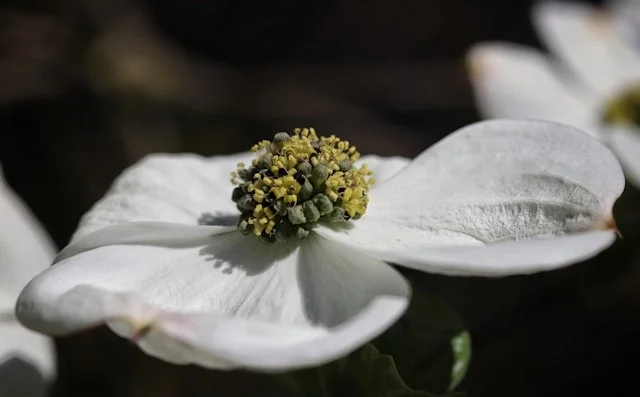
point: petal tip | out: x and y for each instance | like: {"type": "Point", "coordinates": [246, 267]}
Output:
{"type": "Point", "coordinates": [609, 223]}
{"type": "Point", "coordinates": [474, 64]}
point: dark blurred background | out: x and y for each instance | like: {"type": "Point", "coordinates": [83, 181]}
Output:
{"type": "Point", "coordinates": [88, 87]}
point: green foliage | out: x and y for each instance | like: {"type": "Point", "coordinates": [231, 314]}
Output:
{"type": "Point", "coordinates": [365, 373]}
{"type": "Point", "coordinates": [430, 345]}
{"type": "Point", "coordinates": [425, 354]}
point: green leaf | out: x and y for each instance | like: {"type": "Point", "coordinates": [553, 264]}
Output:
{"type": "Point", "coordinates": [365, 373]}
{"type": "Point", "coordinates": [430, 344]}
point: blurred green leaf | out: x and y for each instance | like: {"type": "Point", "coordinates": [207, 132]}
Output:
{"type": "Point", "coordinates": [365, 373]}
{"type": "Point", "coordinates": [430, 345]}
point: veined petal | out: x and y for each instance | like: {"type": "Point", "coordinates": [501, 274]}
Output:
{"type": "Point", "coordinates": [25, 250]}
{"type": "Point", "coordinates": [513, 81]}
{"type": "Point", "coordinates": [625, 142]}
{"type": "Point", "coordinates": [178, 188]}
{"type": "Point", "coordinates": [505, 258]}
{"type": "Point", "coordinates": [494, 182]}
{"type": "Point", "coordinates": [587, 40]}
{"type": "Point", "coordinates": [186, 188]}
{"type": "Point", "coordinates": [230, 301]}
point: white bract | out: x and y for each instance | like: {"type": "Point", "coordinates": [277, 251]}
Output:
{"type": "Point", "coordinates": [593, 82]}
{"type": "Point", "coordinates": [495, 198]}
{"type": "Point", "coordinates": [25, 250]}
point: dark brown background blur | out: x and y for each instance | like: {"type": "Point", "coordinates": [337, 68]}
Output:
{"type": "Point", "coordinates": [87, 87]}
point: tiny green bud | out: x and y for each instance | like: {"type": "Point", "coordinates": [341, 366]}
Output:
{"type": "Point", "coordinates": [302, 233]}
{"type": "Point", "coordinates": [311, 212]}
{"type": "Point", "coordinates": [281, 137]}
{"type": "Point", "coordinates": [296, 215]}
{"type": "Point", "coordinates": [337, 215]}
{"type": "Point", "coordinates": [345, 165]}
{"type": "Point", "coordinates": [304, 168]}
{"type": "Point", "coordinates": [264, 163]}
{"type": "Point", "coordinates": [237, 193]}
{"type": "Point", "coordinates": [319, 174]}
{"type": "Point", "coordinates": [245, 174]}
{"type": "Point", "coordinates": [243, 226]}
{"type": "Point", "coordinates": [285, 230]}
{"type": "Point", "coordinates": [323, 203]}
{"type": "Point", "coordinates": [245, 203]}
{"type": "Point", "coordinates": [306, 191]}
{"type": "Point", "coordinates": [279, 207]}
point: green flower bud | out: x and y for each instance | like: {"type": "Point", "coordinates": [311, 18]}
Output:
{"type": "Point", "coordinates": [243, 226]}
{"type": "Point", "coordinates": [246, 203]}
{"type": "Point", "coordinates": [264, 163]}
{"type": "Point", "coordinates": [237, 194]}
{"type": "Point", "coordinates": [345, 165]}
{"type": "Point", "coordinates": [311, 212]}
{"type": "Point", "coordinates": [337, 215]}
{"type": "Point", "coordinates": [302, 233]}
{"type": "Point", "coordinates": [307, 190]}
{"type": "Point", "coordinates": [296, 215]}
{"type": "Point", "coordinates": [319, 174]}
{"type": "Point", "coordinates": [285, 230]}
{"type": "Point", "coordinates": [279, 207]}
{"type": "Point", "coordinates": [304, 168]}
{"type": "Point", "coordinates": [281, 137]}
{"type": "Point", "coordinates": [323, 203]}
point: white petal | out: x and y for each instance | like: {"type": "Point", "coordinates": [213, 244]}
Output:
{"type": "Point", "coordinates": [627, 17]}
{"type": "Point", "coordinates": [34, 348]}
{"type": "Point", "coordinates": [383, 167]}
{"type": "Point", "coordinates": [504, 259]}
{"type": "Point", "coordinates": [625, 142]}
{"type": "Point", "coordinates": [177, 188]}
{"type": "Point", "coordinates": [25, 250]}
{"type": "Point", "coordinates": [513, 81]}
{"type": "Point", "coordinates": [488, 183]}
{"type": "Point", "coordinates": [231, 302]}
{"type": "Point", "coordinates": [587, 40]}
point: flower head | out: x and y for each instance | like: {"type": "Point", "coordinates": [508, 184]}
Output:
{"type": "Point", "coordinates": [184, 263]}
{"type": "Point", "coordinates": [595, 86]}
{"type": "Point", "coordinates": [25, 250]}
{"type": "Point", "coordinates": [298, 181]}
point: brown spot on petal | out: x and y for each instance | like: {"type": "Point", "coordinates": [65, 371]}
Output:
{"type": "Point", "coordinates": [609, 224]}
{"type": "Point", "coordinates": [140, 331]}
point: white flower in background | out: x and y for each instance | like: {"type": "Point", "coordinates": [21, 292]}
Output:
{"type": "Point", "coordinates": [592, 83]}
{"type": "Point", "coordinates": [25, 250]}
{"type": "Point", "coordinates": [300, 278]}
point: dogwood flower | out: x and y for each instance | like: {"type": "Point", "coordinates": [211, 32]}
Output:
{"type": "Point", "coordinates": [25, 250]}
{"type": "Point", "coordinates": [595, 86]}
{"type": "Point", "coordinates": [286, 267]}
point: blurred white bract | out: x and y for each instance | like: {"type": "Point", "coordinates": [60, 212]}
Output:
{"type": "Point", "coordinates": [196, 270]}
{"type": "Point", "coordinates": [591, 80]}
{"type": "Point", "coordinates": [25, 250]}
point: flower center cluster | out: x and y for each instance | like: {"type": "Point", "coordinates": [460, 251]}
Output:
{"type": "Point", "coordinates": [296, 181]}
{"type": "Point", "coordinates": [624, 109]}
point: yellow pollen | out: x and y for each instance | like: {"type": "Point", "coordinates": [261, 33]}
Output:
{"type": "Point", "coordinates": [624, 109]}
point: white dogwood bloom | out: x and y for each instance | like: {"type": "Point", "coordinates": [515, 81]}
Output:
{"type": "Point", "coordinates": [592, 81]}
{"type": "Point", "coordinates": [164, 258]}
{"type": "Point", "coordinates": [25, 250]}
